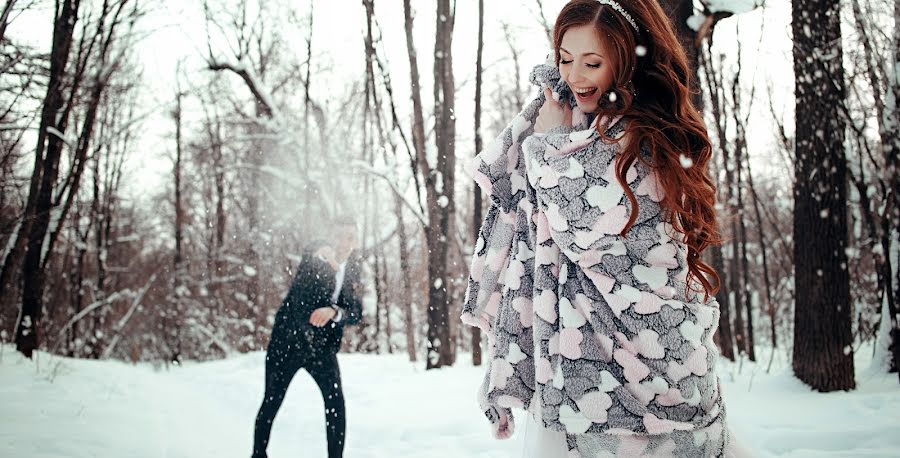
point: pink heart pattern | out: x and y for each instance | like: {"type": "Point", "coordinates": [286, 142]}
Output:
{"type": "Point", "coordinates": [586, 352]}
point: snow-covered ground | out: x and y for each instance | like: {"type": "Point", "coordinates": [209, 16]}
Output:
{"type": "Point", "coordinates": [58, 407]}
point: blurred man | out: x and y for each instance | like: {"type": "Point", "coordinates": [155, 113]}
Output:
{"type": "Point", "coordinates": [324, 297]}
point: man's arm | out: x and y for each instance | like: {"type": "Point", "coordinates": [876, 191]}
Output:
{"type": "Point", "coordinates": [349, 304]}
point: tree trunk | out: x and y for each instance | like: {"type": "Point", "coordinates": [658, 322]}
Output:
{"type": "Point", "coordinates": [734, 279]}
{"type": "Point", "coordinates": [406, 291]}
{"type": "Point", "coordinates": [888, 122]}
{"type": "Point", "coordinates": [100, 259]}
{"type": "Point", "coordinates": [379, 300]}
{"type": "Point", "coordinates": [4, 17]}
{"type": "Point", "coordinates": [892, 169]}
{"type": "Point", "coordinates": [679, 11]}
{"type": "Point", "coordinates": [476, 214]}
{"type": "Point", "coordinates": [726, 332]}
{"type": "Point", "coordinates": [822, 354]}
{"type": "Point", "coordinates": [37, 213]}
{"type": "Point", "coordinates": [770, 303]}
{"type": "Point", "coordinates": [439, 345]}
{"type": "Point", "coordinates": [178, 263]}
{"type": "Point", "coordinates": [726, 337]}
{"type": "Point", "coordinates": [388, 299]}
{"type": "Point", "coordinates": [441, 215]}
{"type": "Point", "coordinates": [740, 148]}
{"type": "Point", "coordinates": [307, 200]}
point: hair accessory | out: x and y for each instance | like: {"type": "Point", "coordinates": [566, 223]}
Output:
{"type": "Point", "coordinates": [616, 6]}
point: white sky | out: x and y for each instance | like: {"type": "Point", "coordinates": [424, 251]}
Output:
{"type": "Point", "coordinates": [179, 35]}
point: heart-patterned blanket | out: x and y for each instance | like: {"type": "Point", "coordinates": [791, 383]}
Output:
{"type": "Point", "coordinates": [593, 332]}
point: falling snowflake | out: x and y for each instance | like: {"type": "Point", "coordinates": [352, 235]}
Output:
{"type": "Point", "coordinates": [686, 162]}
{"type": "Point", "coordinates": [640, 50]}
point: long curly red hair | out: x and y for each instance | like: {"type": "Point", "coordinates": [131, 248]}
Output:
{"type": "Point", "coordinates": [652, 86]}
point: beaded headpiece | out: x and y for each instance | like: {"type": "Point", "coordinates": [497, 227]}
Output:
{"type": "Point", "coordinates": [616, 6]}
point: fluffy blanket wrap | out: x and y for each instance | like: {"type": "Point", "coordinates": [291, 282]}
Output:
{"type": "Point", "coordinates": [594, 333]}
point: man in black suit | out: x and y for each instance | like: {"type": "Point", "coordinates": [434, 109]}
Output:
{"type": "Point", "coordinates": [324, 297]}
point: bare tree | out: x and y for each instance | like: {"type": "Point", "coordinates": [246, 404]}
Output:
{"type": "Point", "coordinates": [542, 20]}
{"type": "Point", "coordinates": [179, 283]}
{"type": "Point", "coordinates": [45, 198]}
{"type": "Point", "coordinates": [403, 237]}
{"type": "Point", "coordinates": [882, 158]}
{"type": "Point", "coordinates": [65, 18]}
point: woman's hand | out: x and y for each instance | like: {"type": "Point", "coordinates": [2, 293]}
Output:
{"type": "Point", "coordinates": [552, 114]}
{"type": "Point", "coordinates": [321, 316]}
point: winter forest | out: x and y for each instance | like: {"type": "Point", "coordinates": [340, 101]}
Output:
{"type": "Point", "coordinates": [163, 164]}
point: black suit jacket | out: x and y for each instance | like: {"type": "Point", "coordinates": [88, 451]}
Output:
{"type": "Point", "coordinates": [311, 289]}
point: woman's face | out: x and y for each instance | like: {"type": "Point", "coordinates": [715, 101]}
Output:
{"type": "Point", "coordinates": [585, 65]}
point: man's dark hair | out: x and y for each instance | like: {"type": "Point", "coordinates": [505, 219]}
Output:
{"type": "Point", "coordinates": [314, 246]}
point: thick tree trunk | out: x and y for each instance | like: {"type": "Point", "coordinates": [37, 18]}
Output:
{"type": "Point", "coordinates": [438, 182]}
{"type": "Point", "coordinates": [823, 353]}
{"type": "Point", "coordinates": [442, 215]}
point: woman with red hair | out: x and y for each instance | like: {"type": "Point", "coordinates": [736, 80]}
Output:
{"type": "Point", "coordinates": [587, 276]}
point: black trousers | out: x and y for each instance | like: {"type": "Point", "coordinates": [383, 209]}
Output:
{"type": "Point", "coordinates": [282, 362]}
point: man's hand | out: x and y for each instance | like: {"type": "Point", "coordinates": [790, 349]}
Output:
{"type": "Point", "coordinates": [321, 316]}
{"type": "Point", "coordinates": [552, 114]}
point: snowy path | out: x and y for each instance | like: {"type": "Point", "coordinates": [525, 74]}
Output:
{"type": "Point", "coordinates": [395, 410]}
